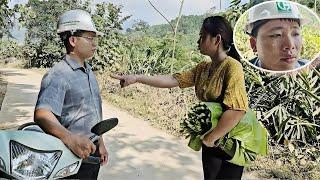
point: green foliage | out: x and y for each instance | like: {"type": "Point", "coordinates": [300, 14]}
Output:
{"type": "Point", "coordinates": [189, 28]}
{"type": "Point", "coordinates": [149, 55]}
{"type": "Point", "coordinates": [10, 49]}
{"type": "Point", "coordinates": [43, 46]}
{"type": "Point", "coordinates": [111, 46]}
{"type": "Point", "coordinates": [241, 39]}
{"type": "Point", "coordinates": [311, 42]}
{"type": "Point", "coordinates": [311, 4]}
{"type": "Point", "coordinates": [236, 9]}
{"type": "Point", "coordinates": [148, 62]}
{"type": "Point", "coordinates": [149, 50]}
{"type": "Point", "coordinates": [6, 18]}
{"type": "Point", "coordinates": [288, 105]}
{"type": "Point", "coordinates": [146, 55]}
{"type": "Point", "coordinates": [187, 25]}
{"type": "Point", "coordinates": [140, 25]}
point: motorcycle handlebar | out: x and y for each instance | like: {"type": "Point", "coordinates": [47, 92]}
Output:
{"type": "Point", "coordinates": [92, 160]}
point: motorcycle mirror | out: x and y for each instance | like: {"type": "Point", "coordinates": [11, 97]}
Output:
{"type": "Point", "coordinates": [104, 126]}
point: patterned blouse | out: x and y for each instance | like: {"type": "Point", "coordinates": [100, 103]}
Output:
{"type": "Point", "coordinates": [221, 82]}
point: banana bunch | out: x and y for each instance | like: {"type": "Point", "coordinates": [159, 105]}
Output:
{"type": "Point", "coordinates": [197, 122]}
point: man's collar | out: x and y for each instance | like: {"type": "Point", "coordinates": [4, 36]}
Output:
{"type": "Point", "coordinates": [75, 65]}
{"type": "Point", "coordinates": [257, 62]}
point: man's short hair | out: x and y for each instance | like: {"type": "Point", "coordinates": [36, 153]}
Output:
{"type": "Point", "coordinates": [256, 25]}
{"type": "Point", "coordinates": [64, 36]}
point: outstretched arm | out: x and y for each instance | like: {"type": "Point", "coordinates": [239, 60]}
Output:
{"type": "Point", "coordinates": [160, 81]}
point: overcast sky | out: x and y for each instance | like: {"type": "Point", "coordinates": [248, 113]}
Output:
{"type": "Point", "coordinates": [141, 9]}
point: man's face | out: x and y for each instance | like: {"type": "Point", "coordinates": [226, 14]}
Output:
{"type": "Point", "coordinates": [86, 44]}
{"type": "Point", "coordinates": [278, 44]}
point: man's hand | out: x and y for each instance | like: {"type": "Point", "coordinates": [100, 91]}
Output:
{"type": "Point", "coordinates": [79, 145]}
{"type": "Point", "coordinates": [125, 80]}
{"type": "Point", "coordinates": [103, 152]}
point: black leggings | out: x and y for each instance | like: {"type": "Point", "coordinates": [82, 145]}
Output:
{"type": "Point", "coordinates": [215, 165]}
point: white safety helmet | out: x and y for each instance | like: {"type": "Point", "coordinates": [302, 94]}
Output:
{"type": "Point", "coordinates": [273, 10]}
{"type": "Point", "coordinates": [74, 20]}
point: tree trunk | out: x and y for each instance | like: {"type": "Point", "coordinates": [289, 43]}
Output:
{"type": "Point", "coordinates": [175, 33]}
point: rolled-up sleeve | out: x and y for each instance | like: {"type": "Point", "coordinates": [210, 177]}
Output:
{"type": "Point", "coordinates": [52, 93]}
{"type": "Point", "coordinates": [235, 95]}
{"type": "Point", "coordinates": [186, 78]}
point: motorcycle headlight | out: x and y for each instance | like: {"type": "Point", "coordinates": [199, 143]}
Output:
{"type": "Point", "coordinates": [2, 164]}
{"type": "Point", "coordinates": [29, 163]}
{"type": "Point", "coordinates": [67, 171]}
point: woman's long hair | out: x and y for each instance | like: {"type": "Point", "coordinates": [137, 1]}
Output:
{"type": "Point", "coordinates": [215, 25]}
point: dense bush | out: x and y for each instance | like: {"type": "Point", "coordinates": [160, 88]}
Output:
{"type": "Point", "coordinates": [5, 18]}
{"type": "Point", "coordinates": [108, 19]}
{"type": "Point", "coordinates": [43, 46]}
{"type": "Point", "coordinates": [288, 105]}
{"type": "Point", "coordinates": [10, 49]}
{"type": "Point", "coordinates": [149, 55]}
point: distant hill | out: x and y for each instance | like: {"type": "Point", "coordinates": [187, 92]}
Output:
{"type": "Point", "coordinates": [189, 28]}
{"type": "Point", "coordinates": [187, 25]}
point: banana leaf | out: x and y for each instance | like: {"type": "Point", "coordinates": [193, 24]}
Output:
{"type": "Point", "coordinates": [247, 139]}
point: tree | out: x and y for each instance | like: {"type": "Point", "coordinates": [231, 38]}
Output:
{"type": "Point", "coordinates": [5, 18]}
{"type": "Point", "coordinates": [109, 53]}
{"type": "Point", "coordinates": [140, 25]}
{"type": "Point", "coordinates": [175, 33]}
{"type": "Point", "coordinates": [174, 29]}
{"type": "Point", "coordinates": [43, 46]}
